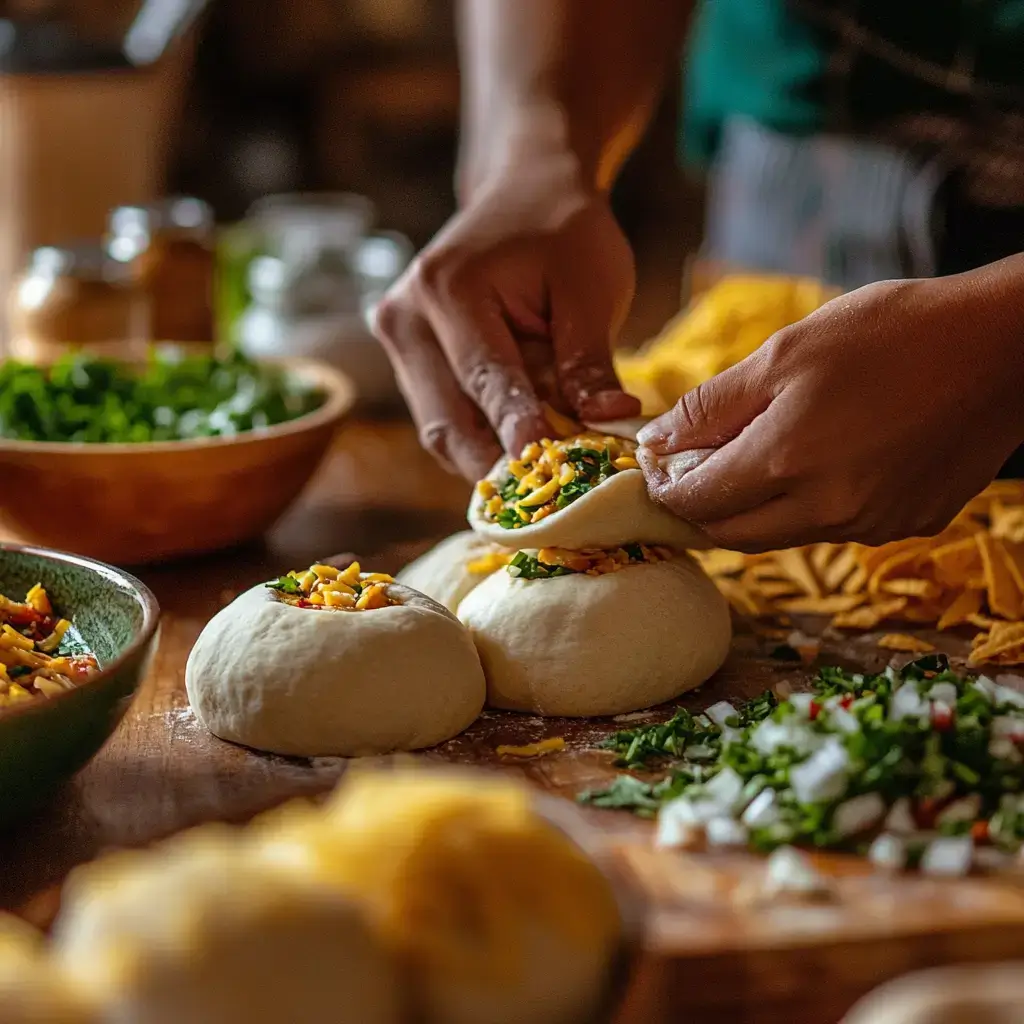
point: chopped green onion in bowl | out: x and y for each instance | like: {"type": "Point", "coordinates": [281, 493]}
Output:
{"type": "Point", "coordinates": [917, 767]}
{"type": "Point", "coordinates": [171, 397]}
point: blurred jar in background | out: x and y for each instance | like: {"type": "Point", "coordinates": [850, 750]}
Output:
{"type": "Point", "coordinates": [314, 276]}
{"type": "Point", "coordinates": [75, 297]}
{"type": "Point", "coordinates": [170, 248]}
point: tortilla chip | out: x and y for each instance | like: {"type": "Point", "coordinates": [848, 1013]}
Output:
{"type": "Point", "coordinates": [1013, 555]}
{"type": "Point", "coordinates": [1003, 596]}
{"type": "Point", "coordinates": [740, 597]}
{"type": "Point", "coordinates": [915, 587]}
{"type": "Point", "coordinates": [774, 589]}
{"type": "Point", "coordinates": [906, 558]}
{"type": "Point", "coordinates": [954, 563]}
{"type": "Point", "coordinates": [839, 568]}
{"type": "Point", "coordinates": [871, 616]}
{"type": "Point", "coordinates": [856, 581]}
{"type": "Point", "coordinates": [966, 604]}
{"type": "Point", "coordinates": [823, 605]}
{"type": "Point", "coordinates": [793, 562]}
{"type": "Point", "coordinates": [904, 642]}
{"type": "Point", "coordinates": [1002, 637]}
{"type": "Point", "coordinates": [719, 562]}
{"type": "Point", "coordinates": [821, 557]}
{"type": "Point", "coordinates": [924, 613]}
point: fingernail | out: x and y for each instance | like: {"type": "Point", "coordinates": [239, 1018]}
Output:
{"type": "Point", "coordinates": [651, 435]}
{"type": "Point", "coordinates": [517, 432]}
{"type": "Point", "coordinates": [608, 405]}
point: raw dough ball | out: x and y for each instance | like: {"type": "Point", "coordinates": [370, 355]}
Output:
{"type": "Point", "coordinates": [196, 932]}
{"type": "Point", "coordinates": [598, 645]}
{"type": "Point", "coordinates": [618, 511]}
{"type": "Point", "coordinates": [499, 916]}
{"type": "Point", "coordinates": [311, 682]}
{"type": "Point", "coordinates": [950, 995]}
{"type": "Point", "coordinates": [32, 988]}
{"type": "Point", "coordinates": [443, 574]}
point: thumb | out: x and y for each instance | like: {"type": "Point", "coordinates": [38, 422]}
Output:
{"type": "Point", "coordinates": [713, 413]}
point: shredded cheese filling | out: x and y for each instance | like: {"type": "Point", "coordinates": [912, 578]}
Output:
{"type": "Point", "coordinates": [550, 475]}
{"type": "Point", "coordinates": [30, 637]}
{"type": "Point", "coordinates": [326, 588]}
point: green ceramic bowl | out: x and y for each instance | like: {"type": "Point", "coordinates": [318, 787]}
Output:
{"type": "Point", "coordinates": [45, 741]}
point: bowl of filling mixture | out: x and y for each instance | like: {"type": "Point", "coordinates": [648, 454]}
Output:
{"type": "Point", "coordinates": [75, 639]}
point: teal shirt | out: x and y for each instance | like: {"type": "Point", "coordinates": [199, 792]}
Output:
{"type": "Point", "coordinates": [775, 61]}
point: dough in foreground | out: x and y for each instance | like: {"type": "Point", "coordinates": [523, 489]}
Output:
{"type": "Point", "coordinates": [193, 931]}
{"type": "Point", "coordinates": [311, 681]}
{"type": "Point", "coordinates": [607, 644]}
{"type": "Point", "coordinates": [989, 994]}
{"type": "Point", "coordinates": [449, 571]}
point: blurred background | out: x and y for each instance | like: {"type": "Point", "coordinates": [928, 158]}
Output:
{"type": "Point", "coordinates": [108, 107]}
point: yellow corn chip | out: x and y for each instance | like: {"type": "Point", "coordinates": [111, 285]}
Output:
{"type": "Point", "coordinates": [1013, 555]}
{"type": "Point", "coordinates": [1003, 636]}
{"type": "Point", "coordinates": [774, 589]}
{"type": "Point", "coordinates": [856, 581]}
{"type": "Point", "coordinates": [903, 642]}
{"type": "Point", "coordinates": [906, 555]}
{"type": "Point", "coordinates": [840, 568]}
{"type": "Point", "coordinates": [954, 563]}
{"type": "Point", "coordinates": [821, 556]}
{"type": "Point", "coordinates": [871, 616]}
{"type": "Point", "coordinates": [1007, 523]}
{"type": "Point", "coordinates": [1003, 596]}
{"type": "Point", "coordinates": [740, 597]}
{"type": "Point", "coordinates": [916, 587]}
{"type": "Point", "coordinates": [719, 562]}
{"type": "Point", "coordinates": [966, 604]}
{"type": "Point", "coordinates": [794, 564]}
{"type": "Point", "coordinates": [830, 605]}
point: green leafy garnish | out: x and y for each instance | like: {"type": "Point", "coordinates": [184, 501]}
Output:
{"type": "Point", "coordinates": [525, 566]}
{"type": "Point", "coordinates": [285, 585]}
{"type": "Point", "coordinates": [85, 399]}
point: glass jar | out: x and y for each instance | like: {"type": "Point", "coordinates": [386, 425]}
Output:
{"type": "Point", "coordinates": [75, 297]}
{"type": "Point", "coordinates": [171, 249]}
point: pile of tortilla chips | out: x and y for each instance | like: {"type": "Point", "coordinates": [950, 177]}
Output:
{"type": "Point", "coordinates": [720, 327]}
{"type": "Point", "coordinates": [971, 575]}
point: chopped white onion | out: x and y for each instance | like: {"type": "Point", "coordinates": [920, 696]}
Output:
{"type": "Point", "coordinates": [790, 871]}
{"type": "Point", "coordinates": [1008, 695]}
{"type": "Point", "coordinates": [762, 811]}
{"type": "Point", "coordinates": [720, 712]}
{"type": "Point", "coordinates": [985, 686]}
{"type": "Point", "coordinates": [802, 702]}
{"type": "Point", "coordinates": [948, 856]}
{"type": "Point", "coordinates": [907, 702]}
{"type": "Point", "coordinates": [725, 790]}
{"type": "Point", "coordinates": [770, 735]}
{"type": "Point", "coordinates": [858, 814]}
{"type": "Point", "coordinates": [946, 692]}
{"type": "Point", "coordinates": [824, 775]}
{"type": "Point", "coordinates": [678, 826]}
{"type": "Point", "coordinates": [844, 721]}
{"type": "Point", "coordinates": [900, 818]}
{"type": "Point", "coordinates": [726, 832]}
{"type": "Point", "coordinates": [888, 852]}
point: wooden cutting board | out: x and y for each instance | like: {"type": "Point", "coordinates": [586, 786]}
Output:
{"type": "Point", "coordinates": [707, 954]}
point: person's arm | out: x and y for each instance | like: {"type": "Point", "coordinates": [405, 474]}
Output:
{"type": "Point", "coordinates": [556, 94]}
{"type": "Point", "coordinates": [876, 418]}
{"type": "Point", "coordinates": [553, 77]}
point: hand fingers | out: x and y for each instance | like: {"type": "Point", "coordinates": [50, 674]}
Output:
{"type": "Point", "coordinates": [342, 561]}
{"type": "Point", "coordinates": [488, 366]}
{"type": "Point", "coordinates": [450, 426]}
{"type": "Point", "coordinates": [781, 522]}
{"type": "Point", "coordinates": [713, 413]}
{"type": "Point", "coordinates": [583, 322]}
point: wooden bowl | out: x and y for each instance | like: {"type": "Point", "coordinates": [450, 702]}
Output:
{"type": "Point", "coordinates": [43, 742]}
{"type": "Point", "coordinates": [138, 503]}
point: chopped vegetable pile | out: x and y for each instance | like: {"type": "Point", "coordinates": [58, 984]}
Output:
{"type": "Point", "coordinates": [921, 766]}
{"type": "Point", "coordinates": [82, 398]}
{"type": "Point", "coordinates": [550, 475]}
{"type": "Point", "coordinates": [324, 587]}
{"type": "Point", "coordinates": [551, 562]}
{"type": "Point", "coordinates": [30, 662]}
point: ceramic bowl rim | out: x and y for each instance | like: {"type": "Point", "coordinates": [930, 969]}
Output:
{"type": "Point", "coordinates": [142, 594]}
{"type": "Point", "coordinates": [340, 397]}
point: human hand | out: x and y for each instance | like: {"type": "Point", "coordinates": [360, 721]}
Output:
{"type": "Point", "coordinates": [524, 288]}
{"type": "Point", "coordinates": [875, 418]}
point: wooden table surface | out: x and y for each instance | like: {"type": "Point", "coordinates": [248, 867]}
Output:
{"type": "Point", "coordinates": [379, 495]}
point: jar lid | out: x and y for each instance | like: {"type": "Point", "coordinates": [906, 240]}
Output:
{"type": "Point", "coordinates": [84, 261]}
{"type": "Point", "coordinates": [132, 227]}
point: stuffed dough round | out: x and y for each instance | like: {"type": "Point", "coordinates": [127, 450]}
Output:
{"type": "Point", "coordinates": [196, 931]}
{"type": "Point", "coordinates": [318, 682]}
{"type": "Point", "coordinates": [443, 573]}
{"type": "Point", "coordinates": [617, 511]}
{"type": "Point", "coordinates": [585, 645]}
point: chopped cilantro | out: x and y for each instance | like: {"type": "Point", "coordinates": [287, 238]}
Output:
{"type": "Point", "coordinates": [525, 566]}
{"type": "Point", "coordinates": [285, 585]}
